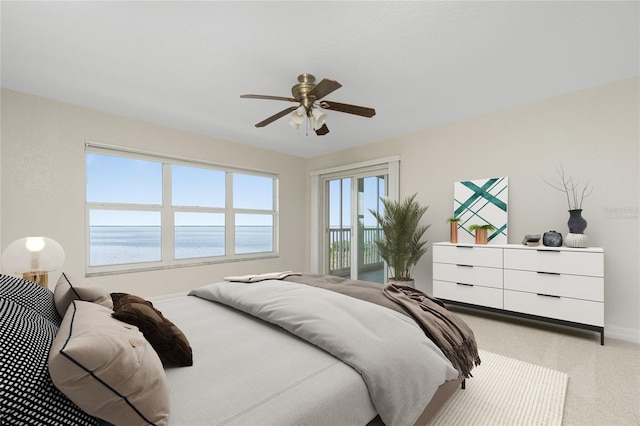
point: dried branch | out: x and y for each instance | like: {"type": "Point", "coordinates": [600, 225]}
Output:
{"type": "Point", "coordinates": [585, 194]}
{"type": "Point", "coordinates": [570, 188]}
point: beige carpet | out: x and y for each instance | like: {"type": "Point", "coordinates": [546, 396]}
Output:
{"type": "Point", "coordinates": [505, 391]}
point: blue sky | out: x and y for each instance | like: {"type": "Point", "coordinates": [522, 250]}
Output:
{"type": "Point", "coordinates": [112, 179]}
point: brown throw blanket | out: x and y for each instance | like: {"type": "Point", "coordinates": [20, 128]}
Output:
{"type": "Point", "coordinates": [452, 335]}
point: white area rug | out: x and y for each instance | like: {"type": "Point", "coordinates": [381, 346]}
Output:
{"type": "Point", "coordinates": [505, 391]}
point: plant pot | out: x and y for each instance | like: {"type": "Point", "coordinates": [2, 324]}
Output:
{"type": "Point", "coordinates": [453, 232]}
{"type": "Point", "coordinates": [481, 236]}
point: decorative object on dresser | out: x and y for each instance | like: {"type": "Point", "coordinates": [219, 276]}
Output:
{"type": "Point", "coordinates": [577, 224]}
{"type": "Point", "coordinates": [531, 240]}
{"type": "Point", "coordinates": [453, 229]}
{"type": "Point", "coordinates": [401, 247]}
{"type": "Point", "coordinates": [482, 201]}
{"type": "Point", "coordinates": [552, 239]}
{"type": "Point", "coordinates": [575, 196]}
{"type": "Point", "coordinates": [34, 258]}
{"type": "Point", "coordinates": [481, 232]}
{"type": "Point", "coordinates": [559, 285]}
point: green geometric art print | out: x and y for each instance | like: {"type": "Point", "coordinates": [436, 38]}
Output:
{"type": "Point", "coordinates": [480, 202]}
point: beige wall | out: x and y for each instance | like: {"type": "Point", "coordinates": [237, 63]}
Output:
{"type": "Point", "coordinates": [42, 192]}
{"type": "Point", "coordinates": [594, 133]}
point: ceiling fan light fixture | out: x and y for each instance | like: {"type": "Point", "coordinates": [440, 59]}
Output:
{"type": "Point", "coordinates": [293, 124]}
{"type": "Point", "coordinates": [320, 118]}
{"type": "Point", "coordinates": [308, 95]}
{"type": "Point", "coordinates": [296, 119]}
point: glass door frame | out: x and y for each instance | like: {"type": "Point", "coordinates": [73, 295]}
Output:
{"type": "Point", "coordinates": [360, 251]}
{"type": "Point", "coordinates": [319, 203]}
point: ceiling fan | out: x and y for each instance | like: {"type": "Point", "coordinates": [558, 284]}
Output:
{"type": "Point", "coordinates": [308, 96]}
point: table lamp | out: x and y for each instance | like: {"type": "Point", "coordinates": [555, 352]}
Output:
{"type": "Point", "coordinates": [34, 258]}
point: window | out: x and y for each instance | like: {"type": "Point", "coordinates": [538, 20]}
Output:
{"type": "Point", "coordinates": [146, 212]}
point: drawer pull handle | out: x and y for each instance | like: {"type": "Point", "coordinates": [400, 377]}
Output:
{"type": "Point", "coordinates": [549, 273]}
{"type": "Point", "coordinates": [465, 284]}
{"type": "Point", "coordinates": [548, 251]}
{"type": "Point", "coordinates": [466, 266]}
{"type": "Point", "coordinates": [548, 295]}
{"type": "Point", "coordinates": [464, 246]}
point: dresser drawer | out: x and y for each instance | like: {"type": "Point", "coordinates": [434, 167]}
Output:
{"type": "Point", "coordinates": [480, 275]}
{"type": "Point", "coordinates": [468, 255]}
{"type": "Point", "coordinates": [560, 261]}
{"type": "Point", "coordinates": [473, 294]}
{"type": "Point", "coordinates": [563, 308]}
{"type": "Point", "coordinates": [574, 286]}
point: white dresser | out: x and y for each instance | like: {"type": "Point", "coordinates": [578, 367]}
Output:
{"type": "Point", "coordinates": [561, 285]}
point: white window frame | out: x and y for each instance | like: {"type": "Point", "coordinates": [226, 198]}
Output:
{"type": "Point", "coordinates": [167, 211]}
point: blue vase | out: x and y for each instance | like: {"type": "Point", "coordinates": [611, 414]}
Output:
{"type": "Point", "coordinates": [577, 224]}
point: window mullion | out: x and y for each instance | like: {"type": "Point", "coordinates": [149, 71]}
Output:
{"type": "Point", "coordinates": [168, 229]}
{"type": "Point", "coordinates": [123, 206]}
{"type": "Point", "coordinates": [230, 218]}
{"type": "Point", "coordinates": [275, 219]}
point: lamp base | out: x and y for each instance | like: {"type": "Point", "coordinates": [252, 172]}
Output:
{"type": "Point", "coordinates": [39, 277]}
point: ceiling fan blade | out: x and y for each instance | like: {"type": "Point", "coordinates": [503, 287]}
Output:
{"type": "Point", "coordinates": [273, 98]}
{"type": "Point", "coordinates": [322, 130]}
{"type": "Point", "coordinates": [349, 109]}
{"type": "Point", "coordinates": [323, 88]}
{"type": "Point", "coordinates": [274, 117]}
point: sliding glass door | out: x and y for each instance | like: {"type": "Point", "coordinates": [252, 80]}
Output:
{"type": "Point", "coordinates": [352, 229]}
{"type": "Point", "coordinates": [339, 229]}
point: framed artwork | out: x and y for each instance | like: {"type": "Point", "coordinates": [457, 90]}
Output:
{"type": "Point", "coordinates": [481, 202]}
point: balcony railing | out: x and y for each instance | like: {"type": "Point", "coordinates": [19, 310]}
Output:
{"type": "Point", "coordinates": [340, 248]}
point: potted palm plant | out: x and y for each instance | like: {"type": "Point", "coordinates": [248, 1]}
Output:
{"type": "Point", "coordinates": [401, 246]}
{"type": "Point", "coordinates": [453, 229]}
{"type": "Point", "coordinates": [481, 232]}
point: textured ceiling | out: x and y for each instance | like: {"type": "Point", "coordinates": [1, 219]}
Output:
{"type": "Point", "coordinates": [419, 64]}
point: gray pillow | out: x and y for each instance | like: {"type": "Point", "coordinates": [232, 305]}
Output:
{"type": "Point", "coordinates": [71, 287]}
{"type": "Point", "coordinates": [108, 368]}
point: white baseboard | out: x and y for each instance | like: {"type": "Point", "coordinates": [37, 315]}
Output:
{"type": "Point", "coordinates": [622, 333]}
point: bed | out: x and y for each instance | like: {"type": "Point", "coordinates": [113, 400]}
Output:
{"type": "Point", "coordinates": [269, 353]}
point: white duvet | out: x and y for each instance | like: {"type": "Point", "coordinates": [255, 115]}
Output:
{"type": "Point", "coordinates": [401, 367]}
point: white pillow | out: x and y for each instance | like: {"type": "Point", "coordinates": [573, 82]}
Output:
{"type": "Point", "coordinates": [71, 287]}
{"type": "Point", "coordinates": [107, 368]}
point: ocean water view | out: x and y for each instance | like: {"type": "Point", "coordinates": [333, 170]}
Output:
{"type": "Point", "coordinates": [113, 245]}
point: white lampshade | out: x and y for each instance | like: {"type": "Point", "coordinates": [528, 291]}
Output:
{"type": "Point", "coordinates": [293, 124]}
{"type": "Point", "coordinates": [320, 118]}
{"type": "Point", "coordinates": [31, 254]}
{"type": "Point", "coordinates": [297, 117]}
